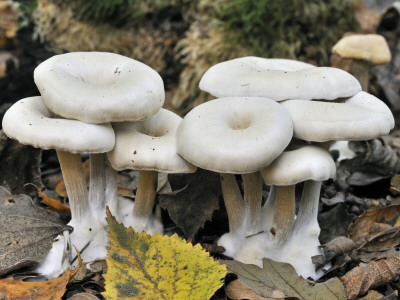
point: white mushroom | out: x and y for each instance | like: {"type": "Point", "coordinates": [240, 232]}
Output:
{"type": "Point", "coordinates": [237, 135]}
{"type": "Point", "coordinates": [150, 147]}
{"type": "Point", "coordinates": [99, 87]}
{"type": "Point", "coordinates": [360, 117]}
{"type": "Point", "coordinates": [30, 122]}
{"type": "Point", "coordinates": [257, 77]}
{"type": "Point", "coordinates": [309, 164]}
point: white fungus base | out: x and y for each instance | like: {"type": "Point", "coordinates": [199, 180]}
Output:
{"type": "Point", "coordinates": [94, 230]}
{"type": "Point", "coordinates": [150, 225]}
{"type": "Point", "coordinates": [297, 251]}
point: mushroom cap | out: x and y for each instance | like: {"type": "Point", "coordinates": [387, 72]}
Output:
{"type": "Point", "coordinates": [306, 163]}
{"type": "Point", "coordinates": [277, 80]}
{"type": "Point", "coordinates": [360, 117]}
{"type": "Point", "coordinates": [149, 145]}
{"type": "Point", "coordinates": [370, 47]}
{"type": "Point", "coordinates": [31, 123]}
{"type": "Point", "coordinates": [99, 87]}
{"type": "Point", "coordinates": [234, 135]}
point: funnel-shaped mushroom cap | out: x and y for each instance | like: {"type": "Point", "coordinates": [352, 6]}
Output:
{"type": "Point", "coordinates": [99, 87]}
{"type": "Point", "coordinates": [306, 163]}
{"type": "Point", "coordinates": [234, 135]}
{"type": "Point", "coordinates": [257, 77]}
{"type": "Point", "coordinates": [370, 47]}
{"type": "Point", "coordinates": [360, 117]}
{"type": "Point", "coordinates": [31, 123]}
{"type": "Point", "coordinates": [149, 145]}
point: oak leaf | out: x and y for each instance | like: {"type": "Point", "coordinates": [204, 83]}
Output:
{"type": "Point", "coordinates": [281, 278]}
{"type": "Point", "coordinates": [140, 266]}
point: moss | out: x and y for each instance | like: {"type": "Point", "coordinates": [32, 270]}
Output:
{"type": "Point", "coordinates": [125, 13]}
{"type": "Point", "coordinates": [288, 28]}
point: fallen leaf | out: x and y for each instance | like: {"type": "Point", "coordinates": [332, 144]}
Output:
{"type": "Point", "coordinates": [22, 205]}
{"type": "Point", "coordinates": [338, 246]}
{"type": "Point", "coordinates": [395, 184]}
{"type": "Point", "coordinates": [276, 276]}
{"type": "Point", "coordinates": [19, 164]}
{"type": "Point", "coordinates": [374, 161]}
{"type": "Point", "coordinates": [43, 290]}
{"type": "Point", "coordinates": [24, 241]}
{"type": "Point", "coordinates": [193, 205]}
{"type": "Point", "coordinates": [383, 241]}
{"type": "Point", "coordinates": [372, 295]}
{"type": "Point", "coordinates": [367, 276]}
{"type": "Point", "coordinates": [334, 222]}
{"type": "Point", "coordinates": [237, 291]}
{"type": "Point", "coordinates": [53, 204]}
{"type": "Point", "coordinates": [140, 266]}
{"type": "Point", "coordinates": [362, 224]}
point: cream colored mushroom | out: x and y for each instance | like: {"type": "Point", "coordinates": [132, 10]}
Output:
{"type": "Point", "coordinates": [363, 50]}
{"type": "Point", "coordinates": [150, 147]}
{"type": "Point", "coordinates": [237, 135]}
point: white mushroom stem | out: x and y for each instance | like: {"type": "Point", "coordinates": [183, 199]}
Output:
{"type": "Point", "coordinates": [268, 210]}
{"type": "Point", "coordinates": [285, 207]}
{"type": "Point", "coordinates": [145, 194]}
{"type": "Point", "coordinates": [308, 209]}
{"type": "Point", "coordinates": [111, 191]}
{"type": "Point", "coordinates": [360, 70]}
{"type": "Point", "coordinates": [252, 183]}
{"type": "Point", "coordinates": [75, 184]}
{"type": "Point", "coordinates": [97, 182]}
{"type": "Point", "coordinates": [233, 201]}
{"type": "Point", "coordinates": [103, 185]}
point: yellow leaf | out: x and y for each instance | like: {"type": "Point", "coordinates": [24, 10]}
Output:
{"type": "Point", "coordinates": [140, 266]}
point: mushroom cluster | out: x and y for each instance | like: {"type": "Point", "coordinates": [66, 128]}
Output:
{"type": "Point", "coordinates": [324, 104]}
{"type": "Point", "coordinates": [108, 106]}
{"type": "Point", "coordinates": [271, 122]}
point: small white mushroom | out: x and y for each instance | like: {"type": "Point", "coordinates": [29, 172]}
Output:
{"type": "Point", "coordinates": [237, 135]}
{"type": "Point", "coordinates": [150, 147]}
{"type": "Point", "coordinates": [309, 164]}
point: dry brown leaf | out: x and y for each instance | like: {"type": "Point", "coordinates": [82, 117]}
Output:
{"type": "Point", "coordinates": [337, 246]}
{"type": "Point", "coordinates": [383, 241]}
{"type": "Point", "coordinates": [374, 274]}
{"type": "Point", "coordinates": [237, 291]}
{"type": "Point", "coordinates": [43, 290]}
{"type": "Point", "coordinates": [53, 204]}
{"type": "Point", "coordinates": [362, 224]}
